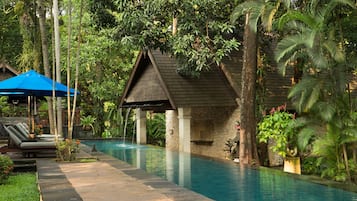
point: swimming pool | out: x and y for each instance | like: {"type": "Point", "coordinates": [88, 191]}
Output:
{"type": "Point", "coordinates": [222, 181]}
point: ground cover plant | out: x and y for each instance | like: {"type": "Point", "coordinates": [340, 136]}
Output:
{"type": "Point", "coordinates": [20, 187]}
{"type": "Point", "coordinates": [6, 166]}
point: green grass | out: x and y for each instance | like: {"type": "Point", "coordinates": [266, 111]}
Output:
{"type": "Point", "coordinates": [20, 187]}
{"type": "Point", "coordinates": [88, 160]}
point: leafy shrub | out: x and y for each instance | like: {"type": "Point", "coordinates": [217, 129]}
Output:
{"type": "Point", "coordinates": [6, 166]}
{"type": "Point", "coordinates": [277, 126]}
{"type": "Point", "coordinates": [66, 150]}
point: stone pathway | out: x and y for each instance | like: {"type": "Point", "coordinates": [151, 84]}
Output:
{"type": "Point", "coordinates": [107, 179]}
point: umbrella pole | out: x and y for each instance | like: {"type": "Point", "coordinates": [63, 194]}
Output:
{"type": "Point", "coordinates": [29, 112]}
{"type": "Point", "coordinates": [32, 116]}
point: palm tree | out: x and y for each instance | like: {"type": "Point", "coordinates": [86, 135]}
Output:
{"type": "Point", "coordinates": [253, 11]}
{"type": "Point", "coordinates": [315, 41]}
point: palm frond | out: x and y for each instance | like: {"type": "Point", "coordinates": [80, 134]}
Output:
{"type": "Point", "coordinates": [243, 9]}
{"type": "Point", "coordinates": [325, 110]}
{"type": "Point", "coordinates": [258, 10]}
{"type": "Point", "coordinates": [287, 3]}
{"type": "Point", "coordinates": [294, 15]}
{"type": "Point", "coordinates": [335, 51]}
{"type": "Point", "coordinates": [304, 93]}
{"type": "Point", "coordinates": [318, 59]}
{"type": "Point", "coordinates": [287, 46]}
{"type": "Point", "coordinates": [290, 44]}
{"type": "Point", "coordinates": [313, 97]}
{"type": "Point", "coordinates": [268, 14]}
{"type": "Point", "coordinates": [305, 136]}
{"type": "Point", "coordinates": [334, 3]}
{"type": "Point", "coordinates": [254, 16]}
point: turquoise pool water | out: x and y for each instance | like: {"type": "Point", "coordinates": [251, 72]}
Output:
{"type": "Point", "coordinates": [220, 180]}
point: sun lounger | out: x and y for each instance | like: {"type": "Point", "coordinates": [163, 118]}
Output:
{"type": "Point", "coordinates": [3, 133]}
{"type": "Point", "coordinates": [23, 129]}
{"type": "Point", "coordinates": [18, 143]}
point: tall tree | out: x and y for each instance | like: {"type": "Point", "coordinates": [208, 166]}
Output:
{"type": "Point", "coordinates": [204, 34]}
{"type": "Point", "coordinates": [77, 68]}
{"type": "Point", "coordinates": [57, 48]}
{"type": "Point", "coordinates": [10, 36]}
{"type": "Point", "coordinates": [30, 56]}
{"type": "Point", "coordinates": [69, 35]}
{"type": "Point", "coordinates": [253, 11]}
{"type": "Point", "coordinates": [247, 147]}
{"type": "Point", "coordinates": [45, 57]}
{"type": "Point", "coordinates": [96, 45]}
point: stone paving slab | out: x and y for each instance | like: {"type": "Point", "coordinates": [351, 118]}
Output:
{"type": "Point", "coordinates": [53, 183]}
{"type": "Point", "coordinates": [107, 179]}
{"type": "Point", "coordinates": [99, 181]}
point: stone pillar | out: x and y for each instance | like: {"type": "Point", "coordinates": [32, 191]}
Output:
{"type": "Point", "coordinates": [172, 130]}
{"type": "Point", "coordinates": [140, 126]}
{"type": "Point", "coordinates": [184, 116]}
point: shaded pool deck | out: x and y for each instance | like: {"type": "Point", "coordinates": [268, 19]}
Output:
{"type": "Point", "coordinates": [106, 179]}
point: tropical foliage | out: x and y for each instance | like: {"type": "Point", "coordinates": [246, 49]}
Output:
{"type": "Point", "coordinates": [314, 42]}
{"type": "Point", "coordinates": [203, 37]}
{"type": "Point", "coordinates": [317, 38]}
{"type": "Point", "coordinates": [155, 126]}
{"type": "Point", "coordinates": [11, 42]}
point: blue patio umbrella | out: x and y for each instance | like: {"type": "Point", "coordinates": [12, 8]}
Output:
{"type": "Point", "coordinates": [32, 83]}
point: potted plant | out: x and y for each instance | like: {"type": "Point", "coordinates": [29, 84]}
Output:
{"type": "Point", "coordinates": [277, 130]}
{"type": "Point", "coordinates": [88, 123]}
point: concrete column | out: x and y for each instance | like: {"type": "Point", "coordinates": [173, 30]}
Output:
{"type": "Point", "coordinates": [140, 126]}
{"type": "Point", "coordinates": [172, 130]}
{"type": "Point", "coordinates": [184, 116]}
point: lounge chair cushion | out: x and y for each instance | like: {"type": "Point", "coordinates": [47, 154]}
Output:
{"type": "Point", "coordinates": [38, 145]}
{"type": "Point", "coordinates": [16, 138]}
{"type": "Point", "coordinates": [24, 131]}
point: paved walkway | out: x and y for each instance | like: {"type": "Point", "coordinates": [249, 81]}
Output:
{"type": "Point", "coordinates": [107, 179]}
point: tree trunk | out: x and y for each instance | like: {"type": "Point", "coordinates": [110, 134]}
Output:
{"type": "Point", "coordinates": [46, 65]}
{"type": "Point", "coordinates": [69, 123]}
{"type": "Point", "coordinates": [58, 65]}
{"type": "Point", "coordinates": [77, 65]}
{"type": "Point", "coordinates": [99, 103]}
{"type": "Point", "coordinates": [248, 153]}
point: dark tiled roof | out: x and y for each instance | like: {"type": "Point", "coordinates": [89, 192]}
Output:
{"type": "Point", "coordinates": [154, 78]}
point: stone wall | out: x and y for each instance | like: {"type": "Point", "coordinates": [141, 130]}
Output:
{"type": "Point", "coordinates": [211, 127]}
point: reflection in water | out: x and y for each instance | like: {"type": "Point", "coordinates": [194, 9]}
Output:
{"type": "Point", "coordinates": [222, 181]}
{"type": "Point", "coordinates": [185, 170]}
{"type": "Point", "coordinates": [170, 166]}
